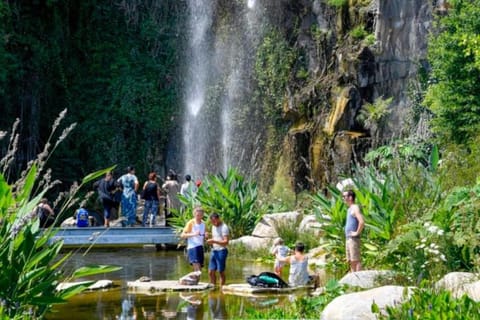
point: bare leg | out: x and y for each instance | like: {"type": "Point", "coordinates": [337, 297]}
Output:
{"type": "Point", "coordinates": [222, 278]}
{"type": "Point", "coordinates": [196, 267]}
{"type": "Point", "coordinates": [278, 271]}
{"type": "Point", "coordinates": [355, 266]}
{"type": "Point", "coordinates": [213, 278]}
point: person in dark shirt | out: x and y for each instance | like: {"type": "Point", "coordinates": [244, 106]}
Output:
{"type": "Point", "coordinates": [151, 195]}
{"type": "Point", "coordinates": [45, 213]}
{"type": "Point", "coordinates": [106, 188]}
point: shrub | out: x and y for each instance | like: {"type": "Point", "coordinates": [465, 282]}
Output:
{"type": "Point", "coordinates": [430, 304]}
{"type": "Point", "coordinates": [358, 32]}
{"type": "Point", "coordinates": [233, 198]}
{"type": "Point", "coordinates": [29, 263]}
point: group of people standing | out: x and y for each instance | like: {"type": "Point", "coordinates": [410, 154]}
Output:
{"type": "Point", "coordinates": [197, 235]}
{"type": "Point", "coordinates": [152, 192]}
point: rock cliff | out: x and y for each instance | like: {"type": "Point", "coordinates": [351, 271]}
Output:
{"type": "Point", "coordinates": [346, 70]}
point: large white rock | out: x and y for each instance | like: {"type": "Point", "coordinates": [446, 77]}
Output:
{"type": "Point", "coordinates": [252, 243]}
{"type": "Point", "coordinates": [267, 227]}
{"type": "Point", "coordinates": [310, 224]}
{"type": "Point", "coordinates": [357, 305]}
{"type": "Point", "coordinates": [460, 283]}
{"type": "Point", "coordinates": [366, 279]}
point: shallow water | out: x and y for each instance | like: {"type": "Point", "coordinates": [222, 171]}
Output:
{"type": "Point", "coordinates": [119, 303]}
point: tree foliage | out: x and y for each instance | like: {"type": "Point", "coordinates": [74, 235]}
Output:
{"type": "Point", "coordinates": [113, 65]}
{"type": "Point", "coordinates": [454, 55]}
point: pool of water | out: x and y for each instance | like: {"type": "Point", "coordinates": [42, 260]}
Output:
{"type": "Point", "coordinates": [119, 303]}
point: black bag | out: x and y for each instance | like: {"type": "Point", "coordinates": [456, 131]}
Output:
{"type": "Point", "coordinates": [266, 280]}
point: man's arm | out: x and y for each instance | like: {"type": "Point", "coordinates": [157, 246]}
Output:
{"type": "Point", "coordinates": [222, 242]}
{"type": "Point", "coordinates": [187, 231]}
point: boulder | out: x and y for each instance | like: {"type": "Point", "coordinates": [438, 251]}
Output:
{"type": "Point", "coordinates": [460, 283]}
{"type": "Point", "coordinates": [357, 305]}
{"type": "Point", "coordinates": [252, 243]}
{"type": "Point", "coordinates": [310, 224]}
{"type": "Point", "coordinates": [366, 279]}
{"type": "Point", "coordinates": [267, 227]}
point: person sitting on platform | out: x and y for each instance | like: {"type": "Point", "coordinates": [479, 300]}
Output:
{"type": "Point", "coordinates": [82, 218]}
{"type": "Point", "coordinates": [298, 275]}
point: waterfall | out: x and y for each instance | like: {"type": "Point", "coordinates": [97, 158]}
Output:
{"type": "Point", "coordinates": [198, 55]}
{"type": "Point", "coordinates": [219, 68]}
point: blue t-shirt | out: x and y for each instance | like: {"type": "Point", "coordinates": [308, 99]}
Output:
{"type": "Point", "coordinates": [82, 218]}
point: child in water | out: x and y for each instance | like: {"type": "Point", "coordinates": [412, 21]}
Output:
{"type": "Point", "coordinates": [280, 251]}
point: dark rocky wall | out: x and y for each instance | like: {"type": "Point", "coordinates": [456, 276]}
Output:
{"type": "Point", "coordinates": [344, 73]}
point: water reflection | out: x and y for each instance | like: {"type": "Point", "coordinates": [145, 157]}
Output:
{"type": "Point", "coordinates": [121, 303]}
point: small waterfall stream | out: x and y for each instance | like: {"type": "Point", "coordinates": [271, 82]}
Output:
{"type": "Point", "coordinates": [198, 59]}
{"type": "Point", "coordinates": [220, 59]}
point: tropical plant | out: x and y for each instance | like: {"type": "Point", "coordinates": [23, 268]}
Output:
{"type": "Point", "coordinates": [330, 212]}
{"type": "Point", "coordinates": [431, 304]}
{"type": "Point", "coordinates": [400, 151]}
{"type": "Point", "coordinates": [30, 267]}
{"type": "Point", "coordinates": [232, 197]}
{"type": "Point", "coordinates": [374, 115]}
{"type": "Point", "coordinates": [459, 216]}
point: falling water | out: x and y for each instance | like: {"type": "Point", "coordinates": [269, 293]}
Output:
{"type": "Point", "coordinates": [220, 60]}
{"type": "Point", "coordinates": [200, 20]}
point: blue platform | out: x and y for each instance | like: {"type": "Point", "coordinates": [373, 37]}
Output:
{"type": "Point", "coordinates": [100, 236]}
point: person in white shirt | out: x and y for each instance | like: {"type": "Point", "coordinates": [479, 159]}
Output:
{"type": "Point", "coordinates": [188, 188]}
{"type": "Point", "coordinates": [194, 232]}
{"type": "Point", "coordinates": [218, 241]}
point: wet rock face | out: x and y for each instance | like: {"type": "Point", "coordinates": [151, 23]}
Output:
{"type": "Point", "coordinates": [342, 64]}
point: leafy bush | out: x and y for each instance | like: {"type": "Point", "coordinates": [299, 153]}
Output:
{"type": "Point", "coordinates": [358, 32]}
{"type": "Point", "coordinates": [454, 91]}
{"type": "Point", "coordinates": [29, 263]}
{"type": "Point", "coordinates": [331, 212]}
{"type": "Point", "coordinates": [460, 165]}
{"type": "Point", "coordinates": [431, 304]}
{"type": "Point", "coordinates": [233, 198]}
{"type": "Point", "coordinates": [459, 215]}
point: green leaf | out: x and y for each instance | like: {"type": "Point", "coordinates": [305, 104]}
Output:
{"type": "Point", "coordinates": [95, 175]}
{"type": "Point", "coordinates": [94, 269]}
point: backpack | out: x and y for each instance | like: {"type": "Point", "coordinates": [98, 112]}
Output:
{"type": "Point", "coordinates": [266, 280]}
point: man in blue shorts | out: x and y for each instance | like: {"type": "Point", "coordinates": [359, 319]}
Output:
{"type": "Point", "coordinates": [219, 242]}
{"type": "Point", "coordinates": [194, 232]}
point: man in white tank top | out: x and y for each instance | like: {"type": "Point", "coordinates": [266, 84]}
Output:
{"type": "Point", "coordinates": [194, 232]}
